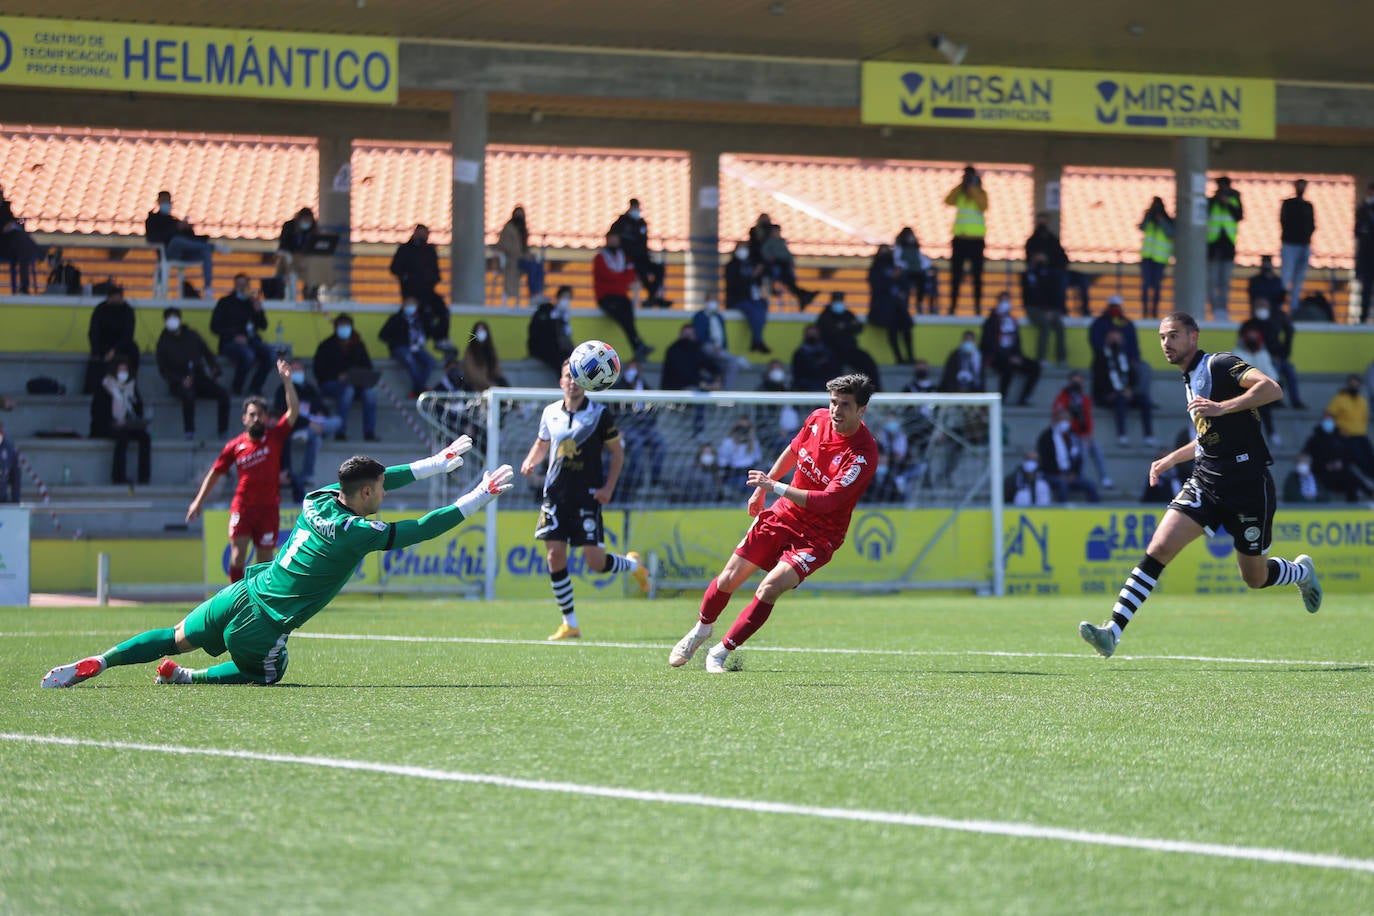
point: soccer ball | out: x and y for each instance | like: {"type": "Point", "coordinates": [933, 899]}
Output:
{"type": "Point", "coordinates": [594, 365]}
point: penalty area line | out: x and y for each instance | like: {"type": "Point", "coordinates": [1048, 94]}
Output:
{"type": "Point", "coordinates": [990, 828]}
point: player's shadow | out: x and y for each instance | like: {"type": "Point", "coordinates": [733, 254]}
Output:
{"type": "Point", "coordinates": [423, 686]}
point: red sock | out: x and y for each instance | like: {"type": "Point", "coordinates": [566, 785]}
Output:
{"type": "Point", "coordinates": [754, 615]}
{"type": "Point", "coordinates": [712, 603]}
{"type": "Point", "coordinates": [235, 573]}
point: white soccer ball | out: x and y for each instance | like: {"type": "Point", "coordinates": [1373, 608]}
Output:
{"type": "Point", "coordinates": [594, 365]}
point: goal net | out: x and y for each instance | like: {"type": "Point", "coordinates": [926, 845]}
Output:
{"type": "Point", "coordinates": [929, 520]}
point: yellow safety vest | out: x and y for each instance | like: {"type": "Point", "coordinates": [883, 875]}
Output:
{"type": "Point", "coordinates": [968, 219]}
{"type": "Point", "coordinates": [1220, 220]}
{"type": "Point", "coordinates": [1156, 246]}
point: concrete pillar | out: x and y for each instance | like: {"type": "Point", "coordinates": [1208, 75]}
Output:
{"type": "Point", "coordinates": [1190, 226]}
{"type": "Point", "coordinates": [468, 251]}
{"type": "Point", "coordinates": [1047, 178]}
{"type": "Point", "coordinates": [703, 264]}
{"type": "Point", "coordinates": [336, 207]}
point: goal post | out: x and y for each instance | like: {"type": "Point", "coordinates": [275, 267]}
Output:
{"type": "Point", "coordinates": [931, 519]}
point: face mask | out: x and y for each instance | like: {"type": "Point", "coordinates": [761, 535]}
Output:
{"type": "Point", "coordinates": [708, 460]}
{"type": "Point", "coordinates": [243, 294]}
{"type": "Point", "coordinates": [1304, 469]}
{"type": "Point", "coordinates": [164, 208]}
{"type": "Point", "coordinates": [173, 323]}
{"type": "Point", "coordinates": [408, 310]}
{"type": "Point", "coordinates": [344, 331]}
{"type": "Point", "coordinates": [969, 347]}
{"type": "Point", "coordinates": [1003, 307]}
{"type": "Point", "coordinates": [564, 301]}
{"type": "Point", "coordinates": [1328, 425]}
{"type": "Point", "coordinates": [1061, 427]}
{"type": "Point", "coordinates": [837, 307]}
{"type": "Point", "coordinates": [455, 376]}
{"type": "Point", "coordinates": [257, 430]}
{"type": "Point", "coordinates": [712, 306]}
{"type": "Point", "coordinates": [1262, 314]}
{"type": "Point", "coordinates": [298, 378]}
{"type": "Point", "coordinates": [307, 224]}
{"type": "Point", "coordinates": [122, 375]}
{"type": "Point", "coordinates": [922, 375]}
{"type": "Point", "coordinates": [631, 375]}
{"type": "Point", "coordinates": [1353, 390]}
{"type": "Point", "coordinates": [1029, 466]}
{"type": "Point", "coordinates": [634, 213]}
{"type": "Point", "coordinates": [742, 254]}
{"type": "Point", "coordinates": [892, 427]}
{"type": "Point", "coordinates": [481, 336]}
{"type": "Point", "coordinates": [777, 376]}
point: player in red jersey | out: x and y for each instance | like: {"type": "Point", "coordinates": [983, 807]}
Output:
{"type": "Point", "coordinates": [834, 456]}
{"type": "Point", "coordinates": [255, 454]}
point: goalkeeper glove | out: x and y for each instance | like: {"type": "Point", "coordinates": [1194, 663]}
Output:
{"type": "Point", "coordinates": [493, 484]}
{"type": "Point", "coordinates": [447, 461]}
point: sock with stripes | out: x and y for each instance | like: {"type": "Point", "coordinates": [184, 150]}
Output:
{"type": "Point", "coordinates": [563, 594]}
{"type": "Point", "coordinates": [145, 647]}
{"type": "Point", "coordinates": [712, 603]}
{"type": "Point", "coordinates": [1284, 572]}
{"type": "Point", "coordinates": [1139, 584]}
{"type": "Point", "coordinates": [754, 615]}
{"type": "Point", "coordinates": [616, 563]}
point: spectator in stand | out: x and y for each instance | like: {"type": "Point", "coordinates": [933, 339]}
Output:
{"type": "Point", "coordinates": [1250, 347]}
{"type": "Point", "coordinates": [10, 472]}
{"type": "Point", "coordinates": [1061, 458]}
{"type": "Point", "coordinates": [64, 277]}
{"type": "Point", "coordinates": [887, 303]}
{"type": "Point", "coordinates": [1114, 316]}
{"type": "Point", "coordinates": [780, 422]}
{"type": "Point", "coordinates": [1074, 400]}
{"type": "Point", "coordinates": [1273, 325]}
{"type": "Point", "coordinates": [549, 338]}
{"type": "Point", "coordinates": [1001, 346]}
{"type": "Point", "coordinates": [894, 460]}
{"type": "Point", "coordinates": [758, 234]}
{"type": "Point", "coordinates": [701, 483]}
{"type": "Point", "coordinates": [963, 367]}
{"type": "Point", "coordinates": [1045, 287]}
{"type": "Point", "coordinates": [1156, 248]}
{"type": "Point", "coordinates": [190, 370]}
{"type": "Point", "coordinates": [686, 367]}
{"type": "Point", "coordinates": [645, 447]}
{"type": "Point", "coordinates": [710, 329]}
{"type": "Point", "coordinates": [1314, 307]}
{"type": "Point", "coordinates": [312, 425]}
{"type": "Point", "coordinates": [111, 334]}
{"type": "Point", "coordinates": [297, 255]}
{"type": "Point", "coordinates": [405, 334]}
{"type": "Point", "coordinates": [1301, 484]}
{"type": "Point", "coordinates": [18, 248]}
{"type": "Point", "coordinates": [737, 453]}
{"type": "Point", "coordinates": [1167, 483]}
{"type": "Point", "coordinates": [1224, 213]}
{"type": "Point", "coordinates": [1114, 386]}
{"type": "Point", "coordinates": [514, 245]}
{"type": "Point", "coordinates": [1364, 251]}
{"type": "Point", "coordinates": [633, 230]}
{"type": "Point", "coordinates": [840, 329]}
{"type": "Point", "coordinates": [481, 364]}
{"type": "Point", "coordinates": [416, 267]}
{"type": "Point", "coordinates": [1027, 486]}
{"type": "Point", "coordinates": [782, 267]}
{"type": "Point", "coordinates": [238, 319]}
{"type": "Point", "coordinates": [344, 371]}
{"type": "Point", "coordinates": [117, 413]}
{"type": "Point", "coordinates": [1350, 410]}
{"type": "Point", "coordinates": [813, 363]}
{"type": "Point", "coordinates": [1332, 462]}
{"type": "Point", "coordinates": [744, 292]}
{"type": "Point", "coordinates": [1297, 223]}
{"type": "Point", "coordinates": [612, 274]}
{"type": "Point", "coordinates": [970, 202]}
{"type": "Point", "coordinates": [915, 272]}
{"type": "Point", "coordinates": [178, 239]}
{"type": "Point", "coordinates": [1266, 284]}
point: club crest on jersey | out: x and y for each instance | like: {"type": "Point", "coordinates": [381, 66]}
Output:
{"type": "Point", "coordinates": [378, 526]}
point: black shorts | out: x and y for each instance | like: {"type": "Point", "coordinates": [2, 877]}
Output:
{"type": "Point", "coordinates": [578, 525]}
{"type": "Point", "coordinates": [1243, 506]}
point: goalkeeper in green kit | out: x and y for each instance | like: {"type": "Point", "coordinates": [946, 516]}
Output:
{"type": "Point", "coordinates": [252, 618]}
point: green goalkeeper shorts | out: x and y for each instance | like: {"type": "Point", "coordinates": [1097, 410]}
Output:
{"type": "Point", "coordinates": [228, 621]}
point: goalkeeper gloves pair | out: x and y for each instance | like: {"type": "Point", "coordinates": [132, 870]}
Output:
{"type": "Point", "coordinates": [445, 462]}
{"type": "Point", "coordinates": [492, 485]}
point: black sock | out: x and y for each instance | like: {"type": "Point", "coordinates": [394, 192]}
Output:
{"type": "Point", "coordinates": [1139, 584]}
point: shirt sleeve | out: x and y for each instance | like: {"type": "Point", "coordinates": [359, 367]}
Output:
{"type": "Point", "coordinates": [1232, 365]}
{"type": "Point", "coordinates": [845, 488]}
{"type": "Point", "coordinates": [606, 427]}
{"type": "Point", "coordinates": [544, 434]}
{"type": "Point", "coordinates": [226, 458]}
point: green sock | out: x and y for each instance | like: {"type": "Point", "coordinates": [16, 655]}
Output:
{"type": "Point", "coordinates": [226, 673]}
{"type": "Point", "coordinates": [145, 647]}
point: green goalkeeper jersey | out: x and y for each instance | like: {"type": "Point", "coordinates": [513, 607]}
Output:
{"type": "Point", "coordinates": [326, 546]}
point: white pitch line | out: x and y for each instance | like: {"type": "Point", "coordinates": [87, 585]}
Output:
{"type": "Point", "coordinates": [993, 828]}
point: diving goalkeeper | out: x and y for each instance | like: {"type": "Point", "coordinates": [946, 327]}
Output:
{"type": "Point", "coordinates": [252, 618]}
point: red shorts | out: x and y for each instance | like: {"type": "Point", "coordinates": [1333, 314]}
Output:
{"type": "Point", "coordinates": [259, 524]}
{"type": "Point", "coordinates": [767, 541]}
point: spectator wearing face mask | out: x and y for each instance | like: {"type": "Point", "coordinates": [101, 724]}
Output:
{"type": "Point", "coordinates": [1114, 317]}
{"type": "Point", "coordinates": [190, 370]}
{"type": "Point", "coordinates": [1001, 346]}
{"type": "Point", "coordinates": [887, 303]}
{"type": "Point", "coordinates": [780, 421]}
{"type": "Point", "coordinates": [746, 293]}
{"type": "Point", "coordinates": [313, 424]}
{"type": "Point", "coordinates": [737, 453]}
{"type": "Point", "coordinates": [964, 367]}
{"type": "Point", "coordinates": [1277, 332]}
{"type": "Point", "coordinates": [894, 460]}
{"type": "Point", "coordinates": [296, 254]}
{"type": "Point", "coordinates": [110, 334]}
{"type": "Point", "coordinates": [645, 448]}
{"type": "Point", "coordinates": [840, 329]}
{"type": "Point", "coordinates": [239, 320]}
{"type": "Point", "coordinates": [1350, 410]}
{"type": "Point", "coordinates": [813, 362]}
{"type": "Point", "coordinates": [1061, 458]}
{"type": "Point", "coordinates": [1027, 486]}
{"type": "Point", "coordinates": [481, 364]}
{"type": "Point", "coordinates": [549, 336]}
{"type": "Point", "coordinates": [117, 413]}
{"type": "Point", "coordinates": [1332, 462]}
{"type": "Point", "coordinates": [1073, 399]}
{"type": "Point", "coordinates": [612, 275]}
{"type": "Point", "coordinates": [1250, 347]}
{"type": "Point", "coordinates": [344, 370]}
{"type": "Point", "coordinates": [1301, 484]}
{"type": "Point", "coordinates": [781, 266]}
{"type": "Point", "coordinates": [700, 482]}
{"type": "Point", "coordinates": [709, 325]}
{"type": "Point", "coordinates": [633, 231]}
{"type": "Point", "coordinates": [1114, 386]}
{"type": "Point", "coordinates": [179, 240]}
{"type": "Point", "coordinates": [415, 265]}
{"type": "Point", "coordinates": [405, 333]}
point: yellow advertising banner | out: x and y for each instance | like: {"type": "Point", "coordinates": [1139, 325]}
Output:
{"type": "Point", "coordinates": [1073, 101]}
{"type": "Point", "coordinates": [122, 57]}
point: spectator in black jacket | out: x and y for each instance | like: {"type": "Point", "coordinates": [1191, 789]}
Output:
{"type": "Point", "coordinates": [111, 334]}
{"type": "Point", "coordinates": [549, 337]}
{"type": "Point", "coordinates": [17, 247]}
{"type": "Point", "coordinates": [1332, 462]}
{"type": "Point", "coordinates": [416, 267]}
{"type": "Point", "coordinates": [178, 238]}
{"type": "Point", "coordinates": [840, 329]}
{"type": "Point", "coordinates": [686, 367]}
{"type": "Point", "coordinates": [963, 367]}
{"type": "Point", "coordinates": [1265, 284]}
{"type": "Point", "coordinates": [1277, 331]}
{"type": "Point", "coordinates": [341, 361]}
{"type": "Point", "coordinates": [405, 333]}
{"type": "Point", "coordinates": [1061, 459]}
{"type": "Point", "coordinates": [633, 230]}
{"type": "Point", "coordinates": [1114, 386]}
{"type": "Point", "coordinates": [1297, 223]}
{"type": "Point", "coordinates": [745, 286]}
{"type": "Point", "coordinates": [813, 362]}
{"type": "Point", "coordinates": [296, 254]}
{"type": "Point", "coordinates": [117, 413]}
{"type": "Point", "coordinates": [239, 320]}
{"type": "Point", "coordinates": [1001, 346]}
{"type": "Point", "coordinates": [1045, 286]}
{"type": "Point", "coordinates": [185, 362]}
{"type": "Point", "coordinates": [888, 295]}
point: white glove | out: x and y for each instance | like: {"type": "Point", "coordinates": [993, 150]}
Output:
{"type": "Point", "coordinates": [447, 461]}
{"type": "Point", "coordinates": [493, 484]}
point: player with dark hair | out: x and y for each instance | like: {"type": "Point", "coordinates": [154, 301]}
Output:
{"type": "Point", "coordinates": [255, 454]}
{"type": "Point", "coordinates": [252, 618]}
{"type": "Point", "coordinates": [1230, 485]}
{"type": "Point", "coordinates": [574, 434]}
{"type": "Point", "coordinates": [834, 457]}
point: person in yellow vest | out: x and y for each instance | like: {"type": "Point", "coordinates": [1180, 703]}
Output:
{"type": "Point", "coordinates": [1156, 248]}
{"type": "Point", "coordinates": [970, 202]}
{"type": "Point", "coordinates": [1224, 213]}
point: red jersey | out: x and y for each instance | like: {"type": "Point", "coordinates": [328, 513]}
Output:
{"type": "Point", "coordinates": [835, 471]}
{"type": "Point", "coordinates": [258, 463]}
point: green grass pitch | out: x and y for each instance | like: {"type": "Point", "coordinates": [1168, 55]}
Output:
{"type": "Point", "coordinates": [972, 756]}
